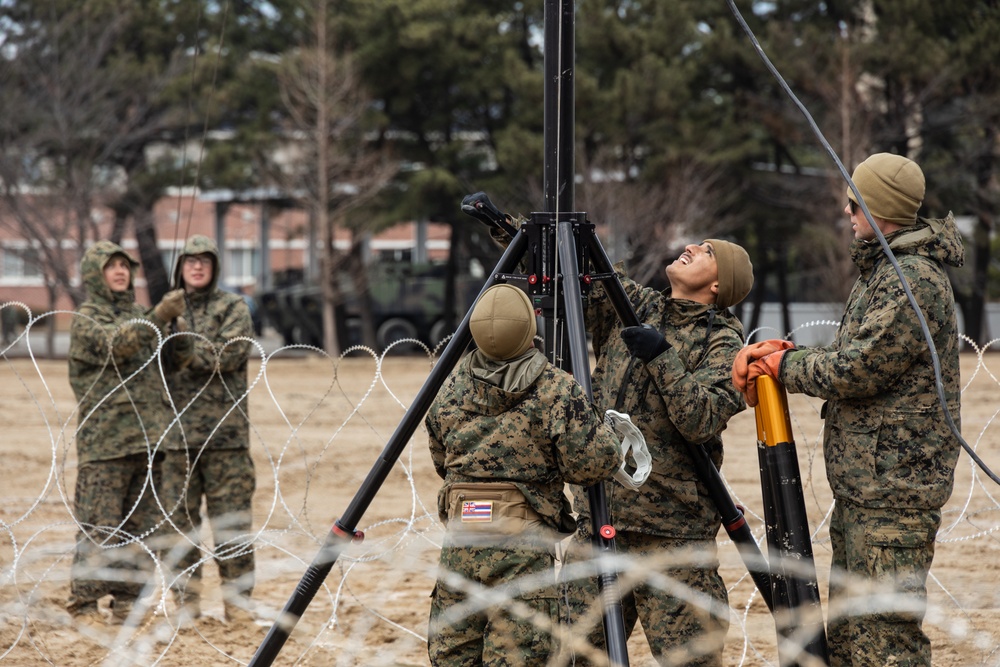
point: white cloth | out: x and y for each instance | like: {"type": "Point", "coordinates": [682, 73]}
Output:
{"type": "Point", "coordinates": [631, 441]}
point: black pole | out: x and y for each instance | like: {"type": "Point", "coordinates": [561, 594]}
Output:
{"type": "Point", "coordinates": [559, 113]}
{"type": "Point", "coordinates": [800, 626]}
{"type": "Point", "coordinates": [796, 552]}
{"type": "Point", "coordinates": [615, 636]}
{"type": "Point", "coordinates": [344, 529]}
{"type": "Point", "coordinates": [770, 500]}
{"type": "Point", "coordinates": [559, 171]}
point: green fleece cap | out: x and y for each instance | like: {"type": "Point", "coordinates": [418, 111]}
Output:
{"type": "Point", "coordinates": [503, 322]}
{"type": "Point", "coordinates": [892, 187]}
{"type": "Point", "coordinates": [735, 272]}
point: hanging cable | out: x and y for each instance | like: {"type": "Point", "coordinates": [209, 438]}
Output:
{"type": "Point", "coordinates": [204, 132]}
{"type": "Point", "coordinates": [935, 360]}
{"type": "Point", "coordinates": [557, 343]}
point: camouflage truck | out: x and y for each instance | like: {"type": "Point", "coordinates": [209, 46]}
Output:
{"type": "Point", "coordinates": [408, 301]}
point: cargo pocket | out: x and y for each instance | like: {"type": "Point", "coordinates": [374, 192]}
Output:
{"type": "Point", "coordinates": [900, 550]}
{"type": "Point", "coordinates": [494, 508]}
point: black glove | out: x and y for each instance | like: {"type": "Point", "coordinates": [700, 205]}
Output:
{"type": "Point", "coordinates": [480, 207]}
{"type": "Point", "coordinates": [644, 342]}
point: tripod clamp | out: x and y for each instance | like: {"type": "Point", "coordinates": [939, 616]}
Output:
{"type": "Point", "coordinates": [356, 536]}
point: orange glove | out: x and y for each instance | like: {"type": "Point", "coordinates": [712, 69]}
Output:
{"type": "Point", "coordinates": [770, 366]}
{"type": "Point", "coordinates": [752, 353]}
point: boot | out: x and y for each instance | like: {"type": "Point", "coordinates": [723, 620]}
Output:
{"type": "Point", "coordinates": [88, 615]}
{"type": "Point", "coordinates": [188, 605]}
{"type": "Point", "coordinates": [239, 611]}
{"type": "Point", "coordinates": [121, 611]}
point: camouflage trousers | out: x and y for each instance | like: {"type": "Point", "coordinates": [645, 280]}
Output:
{"type": "Point", "coordinates": [226, 480]}
{"type": "Point", "coordinates": [878, 585]}
{"type": "Point", "coordinates": [115, 507]}
{"type": "Point", "coordinates": [672, 586]}
{"type": "Point", "coordinates": [493, 605]}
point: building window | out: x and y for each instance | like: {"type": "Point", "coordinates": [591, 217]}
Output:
{"type": "Point", "coordinates": [170, 260]}
{"type": "Point", "coordinates": [21, 266]}
{"type": "Point", "coordinates": [240, 267]}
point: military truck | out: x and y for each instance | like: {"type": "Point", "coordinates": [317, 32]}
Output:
{"type": "Point", "coordinates": [408, 301]}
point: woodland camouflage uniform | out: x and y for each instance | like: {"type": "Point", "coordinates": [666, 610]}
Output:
{"type": "Point", "coordinates": [890, 455]}
{"type": "Point", "coordinates": [682, 396]}
{"type": "Point", "coordinates": [522, 423]}
{"type": "Point", "coordinates": [209, 455]}
{"type": "Point", "coordinates": [122, 411]}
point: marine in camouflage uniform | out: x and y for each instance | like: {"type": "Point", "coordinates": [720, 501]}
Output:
{"type": "Point", "coordinates": [678, 396]}
{"type": "Point", "coordinates": [506, 432]}
{"type": "Point", "coordinates": [890, 455]}
{"type": "Point", "coordinates": [209, 455]}
{"type": "Point", "coordinates": [121, 412]}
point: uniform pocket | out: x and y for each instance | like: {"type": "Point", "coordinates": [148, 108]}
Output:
{"type": "Point", "coordinates": [496, 508]}
{"type": "Point", "coordinates": [852, 452]}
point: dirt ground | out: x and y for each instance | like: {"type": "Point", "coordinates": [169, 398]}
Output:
{"type": "Point", "coordinates": [319, 428]}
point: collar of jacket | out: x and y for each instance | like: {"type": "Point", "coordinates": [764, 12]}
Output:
{"type": "Point", "coordinates": [513, 375]}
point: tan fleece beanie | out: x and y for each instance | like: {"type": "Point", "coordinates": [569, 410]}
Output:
{"type": "Point", "coordinates": [892, 187]}
{"type": "Point", "coordinates": [735, 272]}
{"type": "Point", "coordinates": [503, 322]}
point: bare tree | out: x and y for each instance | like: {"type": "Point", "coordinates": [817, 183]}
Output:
{"type": "Point", "coordinates": [339, 166]}
{"type": "Point", "coordinates": [78, 111]}
{"type": "Point", "coordinates": [58, 129]}
{"type": "Point", "coordinates": [649, 221]}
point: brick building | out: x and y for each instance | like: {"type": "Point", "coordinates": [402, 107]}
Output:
{"type": "Point", "coordinates": [260, 236]}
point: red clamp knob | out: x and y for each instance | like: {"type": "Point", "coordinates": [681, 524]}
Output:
{"type": "Point", "coordinates": [586, 279]}
{"type": "Point", "coordinates": [608, 532]}
{"type": "Point", "coordinates": [355, 536]}
{"type": "Point", "coordinates": [532, 279]}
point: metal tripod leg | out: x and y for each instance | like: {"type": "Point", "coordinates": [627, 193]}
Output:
{"type": "Point", "coordinates": [607, 582]}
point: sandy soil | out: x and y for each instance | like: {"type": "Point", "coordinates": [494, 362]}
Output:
{"type": "Point", "coordinates": [319, 428]}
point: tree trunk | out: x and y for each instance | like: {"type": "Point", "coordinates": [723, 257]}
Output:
{"type": "Point", "coordinates": [157, 281]}
{"type": "Point", "coordinates": [786, 316]}
{"type": "Point", "coordinates": [362, 292]}
{"type": "Point", "coordinates": [973, 311]}
{"type": "Point", "coordinates": [329, 291]}
{"type": "Point", "coordinates": [455, 246]}
{"type": "Point", "coordinates": [974, 308]}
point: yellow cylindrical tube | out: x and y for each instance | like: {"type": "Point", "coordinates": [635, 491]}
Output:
{"type": "Point", "coordinates": [773, 421]}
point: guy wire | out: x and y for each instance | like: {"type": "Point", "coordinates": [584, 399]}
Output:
{"type": "Point", "coordinates": [174, 252]}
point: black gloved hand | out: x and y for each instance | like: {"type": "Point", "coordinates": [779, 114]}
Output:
{"type": "Point", "coordinates": [644, 342]}
{"type": "Point", "coordinates": [479, 206]}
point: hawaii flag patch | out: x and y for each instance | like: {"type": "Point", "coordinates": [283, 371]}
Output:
{"type": "Point", "coordinates": [477, 511]}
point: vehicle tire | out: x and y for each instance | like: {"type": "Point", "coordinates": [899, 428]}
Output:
{"type": "Point", "coordinates": [438, 333]}
{"type": "Point", "coordinates": [393, 329]}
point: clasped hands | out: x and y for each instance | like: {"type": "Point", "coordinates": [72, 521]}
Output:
{"type": "Point", "coordinates": [758, 359]}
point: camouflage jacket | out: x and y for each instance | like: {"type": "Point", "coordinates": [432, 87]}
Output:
{"type": "Point", "coordinates": [113, 368]}
{"type": "Point", "coordinates": [885, 440]}
{"type": "Point", "coordinates": [208, 378]}
{"type": "Point", "coordinates": [541, 435]}
{"type": "Point", "coordinates": [681, 398]}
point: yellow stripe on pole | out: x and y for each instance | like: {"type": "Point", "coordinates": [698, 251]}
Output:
{"type": "Point", "coordinates": [773, 421]}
